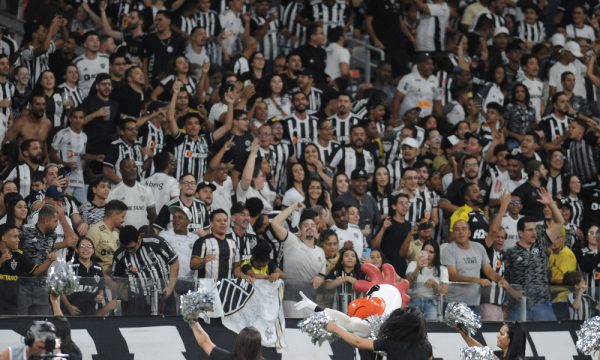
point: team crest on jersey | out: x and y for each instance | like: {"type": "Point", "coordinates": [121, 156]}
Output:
{"type": "Point", "coordinates": [13, 264]}
{"type": "Point", "coordinates": [103, 65]}
{"type": "Point", "coordinates": [97, 279]}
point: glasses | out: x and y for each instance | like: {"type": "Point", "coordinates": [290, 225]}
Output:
{"type": "Point", "coordinates": [188, 183]}
{"type": "Point", "coordinates": [559, 157]}
{"type": "Point", "coordinates": [277, 126]}
{"type": "Point", "coordinates": [515, 202]}
{"type": "Point", "coordinates": [85, 246]}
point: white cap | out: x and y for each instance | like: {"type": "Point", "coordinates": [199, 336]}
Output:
{"type": "Point", "coordinates": [558, 39]}
{"type": "Point", "coordinates": [573, 48]}
{"type": "Point", "coordinates": [501, 30]}
{"type": "Point", "coordinates": [413, 143]}
{"type": "Point", "coordinates": [183, 209]}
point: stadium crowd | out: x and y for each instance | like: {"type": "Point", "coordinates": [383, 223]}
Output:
{"type": "Point", "coordinates": [162, 141]}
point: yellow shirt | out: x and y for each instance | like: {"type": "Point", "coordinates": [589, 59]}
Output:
{"type": "Point", "coordinates": [106, 243]}
{"type": "Point", "coordinates": [560, 263]}
{"type": "Point", "coordinates": [461, 213]}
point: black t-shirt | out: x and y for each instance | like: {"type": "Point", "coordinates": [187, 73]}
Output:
{"type": "Point", "coordinates": [397, 350]}
{"type": "Point", "coordinates": [220, 354]}
{"type": "Point", "coordinates": [392, 241]}
{"type": "Point", "coordinates": [529, 199]}
{"type": "Point", "coordinates": [387, 21]}
{"type": "Point", "coordinates": [131, 102]}
{"type": "Point", "coordinates": [10, 271]}
{"type": "Point", "coordinates": [313, 58]}
{"type": "Point", "coordinates": [100, 132]}
{"type": "Point", "coordinates": [160, 52]}
{"type": "Point", "coordinates": [239, 152]}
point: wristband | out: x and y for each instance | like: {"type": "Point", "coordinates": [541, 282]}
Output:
{"type": "Point", "coordinates": [321, 274]}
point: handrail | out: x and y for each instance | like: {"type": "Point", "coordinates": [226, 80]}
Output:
{"type": "Point", "coordinates": [367, 62]}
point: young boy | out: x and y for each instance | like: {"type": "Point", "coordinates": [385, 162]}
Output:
{"type": "Point", "coordinates": [581, 305]}
{"type": "Point", "coordinates": [260, 265]}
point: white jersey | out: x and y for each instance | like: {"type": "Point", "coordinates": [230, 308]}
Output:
{"type": "Point", "coordinates": [586, 32]}
{"type": "Point", "coordinates": [510, 228]}
{"type": "Point", "coordinates": [164, 188]}
{"type": "Point", "coordinates": [336, 55]}
{"type": "Point", "coordinates": [138, 198]}
{"type": "Point", "coordinates": [351, 233]}
{"type": "Point", "coordinates": [183, 246]}
{"type": "Point", "coordinates": [536, 90]}
{"type": "Point", "coordinates": [577, 68]}
{"type": "Point", "coordinates": [431, 30]}
{"type": "Point", "coordinates": [418, 91]}
{"type": "Point", "coordinates": [222, 195]}
{"type": "Point", "coordinates": [70, 147]}
{"type": "Point", "coordinates": [89, 69]}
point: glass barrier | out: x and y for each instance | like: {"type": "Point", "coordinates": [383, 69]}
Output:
{"type": "Point", "coordinates": [98, 296]}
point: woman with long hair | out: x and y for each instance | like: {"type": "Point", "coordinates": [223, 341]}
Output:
{"type": "Point", "coordinates": [340, 185]}
{"type": "Point", "coordinates": [311, 159]}
{"type": "Point", "coordinates": [428, 278]}
{"type": "Point", "coordinates": [72, 95]}
{"type": "Point", "coordinates": [257, 69]}
{"type": "Point", "coordinates": [247, 344]}
{"type": "Point", "coordinates": [556, 165]}
{"type": "Point", "coordinates": [571, 196]}
{"type": "Point", "coordinates": [512, 341]}
{"type": "Point", "coordinates": [46, 86]}
{"type": "Point", "coordinates": [343, 276]}
{"type": "Point", "coordinates": [278, 104]}
{"type": "Point", "coordinates": [589, 260]}
{"type": "Point", "coordinates": [519, 115]}
{"type": "Point", "coordinates": [381, 188]}
{"type": "Point", "coordinates": [402, 336]}
{"type": "Point", "coordinates": [180, 70]}
{"type": "Point", "coordinates": [316, 195]}
{"type": "Point", "coordinates": [16, 210]}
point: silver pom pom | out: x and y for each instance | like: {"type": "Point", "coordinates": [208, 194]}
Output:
{"type": "Point", "coordinates": [195, 302]}
{"type": "Point", "coordinates": [588, 337]}
{"type": "Point", "coordinates": [62, 280]}
{"type": "Point", "coordinates": [459, 314]}
{"type": "Point", "coordinates": [476, 353]}
{"type": "Point", "coordinates": [314, 326]}
{"type": "Point", "coordinates": [375, 322]}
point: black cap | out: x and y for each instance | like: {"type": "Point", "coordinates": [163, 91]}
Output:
{"type": "Point", "coordinates": [204, 184]}
{"type": "Point", "coordinates": [306, 72]}
{"type": "Point", "coordinates": [359, 173]}
{"type": "Point", "coordinates": [422, 57]}
{"type": "Point", "coordinates": [238, 207]}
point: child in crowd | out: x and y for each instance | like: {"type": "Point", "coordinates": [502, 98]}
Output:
{"type": "Point", "coordinates": [260, 265]}
{"type": "Point", "coordinates": [581, 305]}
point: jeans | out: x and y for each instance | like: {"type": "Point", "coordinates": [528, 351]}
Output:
{"type": "Point", "coordinates": [537, 312]}
{"type": "Point", "coordinates": [428, 306]}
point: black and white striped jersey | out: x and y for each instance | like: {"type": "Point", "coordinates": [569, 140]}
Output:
{"type": "Point", "coordinates": [494, 294]}
{"type": "Point", "coordinates": [288, 21]}
{"type": "Point", "coordinates": [186, 24]}
{"type": "Point", "coordinates": [244, 243]}
{"type": "Point", "coordinates": [326, 153]}
{"type": "Point", "coordinates": [555, 185]}
{"type": "Point", "coordinates": [150, 136]}
{"type": "Point", "coordinates": [332, 16]}
{"type": "Point", "coordinates": [118, 151]}
{"type": "Point", "coordinates": [445, 86]}
{"type": "Point", "coordinates": [198, 209]}
{"type": "Point", "coordinates": [36, 64]}
{"type": "Point", "coordinates": [148, 267]}
{"type": "Point", "coordinates": [278, 157]}
{"type": "Point", "coordinates": [300, 132]}
{"type": "Point", "coordinates": [341, 127]}
{"type": "Point", "coordinates": [191, 155]}
{"type": "Point", "coordinates": [210, 22]}
{"type": "Point", "coordinates": [226, 255]}
{"type": "Point", "coordinates": [73, 94]}
{"type": "Point", "coordinates": [8, 46]}
{"type": "Point", "coordinates": [314, 98]}
{"type": "Point", "coordinates": [584, 159]}
{"type": "Point", "coordinates": [7, 91]}
{"type": "Point", "coordinates": [533, 33]}
{"type": "Point", "coordinates": [55, 110]}
{"type": "Point", "coordinates": [553, 126]}
{"type": "Point", "coordinates": [576, 210]}
{"type": "Point", "coordinates": [417, 207]}
{"type": "Point", "coordinates": [167, 84]}
{"type": "Point", "coordinates": [348, 158]}
{"type": "Point", "coordinates": [269, 45]}
{"type": "Point", "coordinates": [21, 174]}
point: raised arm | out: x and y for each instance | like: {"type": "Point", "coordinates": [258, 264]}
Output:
{"type": "Point", "coordinates": [202, 338]}
{"type": "Point", "coordinates": [172, 128]}
{"type": "Point", "coordinates": [246, 180]}
{"type": "Point", "coordinates": [223, 129]}
{"type": "Point", "coordinates": [558, 221]}
{"type": "Point", "coordinates": [277, 223]}
{"type": "Point", "coordinates": [495, 225]}
{"type": "Point", "coordinates": [108, 30]}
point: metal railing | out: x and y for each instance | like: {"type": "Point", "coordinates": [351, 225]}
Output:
{"type": "Point", "coordinates": [366, 63]}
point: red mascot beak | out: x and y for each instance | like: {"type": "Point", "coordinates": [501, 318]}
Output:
{"type": "Point", "coordinates": [365, 307]}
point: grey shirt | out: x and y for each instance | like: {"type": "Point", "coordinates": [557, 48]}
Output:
{"type": "Point", "coordinates": [468, 262]}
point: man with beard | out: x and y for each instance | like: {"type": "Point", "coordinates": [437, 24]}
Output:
{"type": "Point", "coordinates": [472, 213]}
{"type": "Point", "coordinates": [22, 173]}
{"type": "Point", "coordinates": [358, 197]}
{"type": "Point", "coordinates": [132, 96]}
{"type": "Point", "coordinates": [306, 82]}
{"type": "Point", "coordinates": [452, 199]}
{"type": "Point", "coordinates": [343, 119]}
{"type": "Point", "coordinates": [301, 127]}
{"type": "Point", "coordinates": [91, 62]}
{"type": "Point", "coordinates": [304, 260]}
{"type": "Point", "coordinates": [355, 156]}
{"type": "Point", "coordinates": [555, 126]}
{"type": "Point", "coordinates": [196, 52]}
{"type": "Point", "coordinates": [528, 192]}
{"type": "Point", "coordinates": [132, 35]}
{"type": "Point", "coordinates": [159, 48]}
{"type": "Point", "coordinates": [32, 124]}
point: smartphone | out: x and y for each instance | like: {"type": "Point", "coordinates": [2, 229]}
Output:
{"type": "Point", "coordinates": [366, 253]}
{"type": "Point", "coordinates": [64, 172]}
{"type": "Point", "coordinates": [424, 255]}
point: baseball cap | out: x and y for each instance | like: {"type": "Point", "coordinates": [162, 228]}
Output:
{"type": "Point", "coordinates": [204, 184]}
{"type": "Point", "coordinates": [306, 72]}
{"type": "Point", "coordinates": [413, 143]}
{"type": "Point", "coordinates": [501, 30]}
{"type": "Point", "coordinates": [422, 57]}
{"type": "Point", "coordinates": [359, 173]}
{"type": "Point", "coordinates": [573, 48]}
{"type": "Point", "coordinates": [558, 39]}
{"type": "Point", "coordinates": [173, 209]}
{"type": "Point", "coordinates": [55, 192]}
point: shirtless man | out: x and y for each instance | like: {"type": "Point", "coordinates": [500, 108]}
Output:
{"type": "Point", "coordinates": [32, 124]}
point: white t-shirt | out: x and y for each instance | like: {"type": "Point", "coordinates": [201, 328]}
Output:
{"type": "Point", "coordinates": [196, 60]}
{"type": "Point", "coordinates": [232, 29]}
{"type": "Point", "coordinates": [216, 111]}
{"type": "Point", "coordinates": [351, 233]}
{"type": "Point", "coordinates": [89, 69]}
{"type": "Point", "coordinates": [183, 245]}
{"type": "Point", "coordinates": [457, 114]}
{"type": "Point", "coordinates": [283, 103]}
{"type": "Point", "coordinates": [505, 183]}
{"type": "Point", "coordinates": [302, 262]}
{"type": "Point", "coordinates": [164, 188]}
{"type": "Point", "coordinates": [587, 32]}
{"type": "Point", "coordinates": [420, 290]}
{"type": "Point", "coordinates": [265, 195]}
{"type": "Point", "coordinates": [577, 68]}
{"type": "Point", "coordinates": [419, 92]}
{"type": "Point", "coordinates": [138, 199]}
{"type": "Point", "coordinates": [510, 228]}
{"type": "Point", "coordinates": [536, 90]}
{"type": "Point", "coordinates": [426, 31]}
{"type": "Point", "coordinates": [336, 55]}
{"type": "Point", "coordinates": [222, 195]}
{"type": "Point", "coordinates": [70, 146]}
